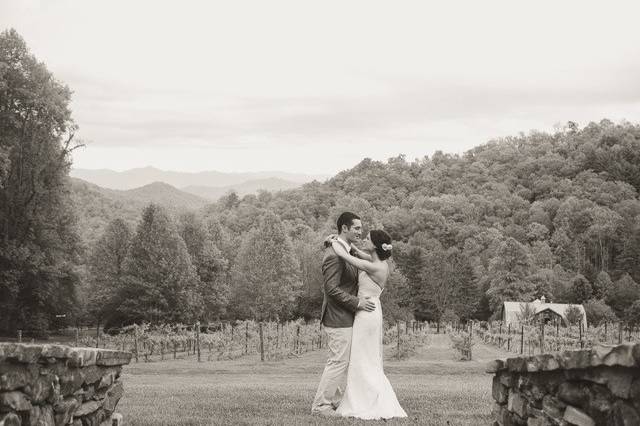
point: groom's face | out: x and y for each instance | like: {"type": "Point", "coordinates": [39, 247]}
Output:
{"type": "Point", "coordinates": [352, 234]}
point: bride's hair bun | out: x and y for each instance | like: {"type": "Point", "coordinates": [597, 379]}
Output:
{"type": "Point", "coordinates": [382, 241]}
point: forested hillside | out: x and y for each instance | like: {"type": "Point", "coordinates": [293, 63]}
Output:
{"type": "Point", "coordinates": [514, 219]}
{"type": "Point", "coordinates": [95, 206]}
{"type": "Point", "coordinates": [543, 214]}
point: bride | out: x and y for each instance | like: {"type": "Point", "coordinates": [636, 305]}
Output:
{"type": "Point", "coordinates": [369, 394]}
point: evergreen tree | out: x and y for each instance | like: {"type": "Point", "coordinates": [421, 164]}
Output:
{"type": "Point", "coordinates": [162, 284]}
{"type": "Point", "coordinates": [508, 273]}
{"type": "Point", "coordinates": [466, 293]}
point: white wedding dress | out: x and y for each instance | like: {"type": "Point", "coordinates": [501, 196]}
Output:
{"type": "Point", "coordinates": [368, 394]}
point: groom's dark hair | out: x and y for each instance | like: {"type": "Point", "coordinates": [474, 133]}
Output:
{"type": "Point", "coordinates": [346, 218]}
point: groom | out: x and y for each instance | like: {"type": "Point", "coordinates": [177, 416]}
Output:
{"type": "Point", "coordinates": [338, 309]}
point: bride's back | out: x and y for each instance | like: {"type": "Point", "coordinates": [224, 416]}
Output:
{"type": "Point", "coordinates": [367, 287]}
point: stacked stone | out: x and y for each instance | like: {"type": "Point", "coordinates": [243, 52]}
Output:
{"type": "Point", "coordinates": [599, 386]}
{"type": "Point", "coordinates": [59, 385]}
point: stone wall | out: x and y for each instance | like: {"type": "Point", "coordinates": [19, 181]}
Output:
{"type": "Point", "coordinates": [59, 385]}
{"type": "Point", "coordinates": [599, 386]}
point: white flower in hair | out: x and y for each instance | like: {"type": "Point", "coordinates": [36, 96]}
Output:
{"type": "Point", "coordinates": [386, 247]}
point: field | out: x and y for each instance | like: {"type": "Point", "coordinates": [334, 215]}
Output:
{"type": "Point", "coordinates": [431, 385]}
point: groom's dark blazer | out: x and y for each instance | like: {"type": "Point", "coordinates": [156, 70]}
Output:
{"type": "Point", "coordinates": [340, 289]}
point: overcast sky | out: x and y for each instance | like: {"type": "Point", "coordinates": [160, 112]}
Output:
{"type": "Point", "coordinates": [315, 87]}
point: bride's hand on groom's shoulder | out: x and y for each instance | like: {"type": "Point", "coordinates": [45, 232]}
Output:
{"type": "Point", "coordinates": [330, 239]}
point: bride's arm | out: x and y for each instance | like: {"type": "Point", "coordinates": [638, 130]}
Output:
{"type": "Point", "coordinates": [361, 254]}
{"type": "Point", "coordinates": [363, 264]}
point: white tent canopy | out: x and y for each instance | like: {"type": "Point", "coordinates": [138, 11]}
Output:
{"type": "Point", "coordinates": [512, 311]}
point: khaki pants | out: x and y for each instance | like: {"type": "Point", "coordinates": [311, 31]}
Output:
{"type": "Point", "coordinates": [334, 377]}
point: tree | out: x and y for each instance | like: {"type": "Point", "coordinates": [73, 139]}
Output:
{"type": "Point", "coordinates": [632, 314]}
{"type": "Point", "coordinates": [526, 314]}
{"type": "Point", "coordinates": [39, 246]}
{"type": "Point", "coordinates": [435, 294]}
{"type": "Point", "coordinates": [211, 266]}
{"type": "Point", "coordinates": [161, 282]}
{"type": "Point", "coordinates": [581, 289]}
{"type": "Point", "coordinates": [573, 314]}
{"type": "Point", "coordinates": [308, 249]}
{"type": "Point", "coordinates": [625, 291]}
{"type": "Point", "coordinates": [266, 273]}
{"type": "Point", "coordinates": [395, 299]}
{"type": "Point", "coordinates": [602, 285]}
{"type": "Point", "coordinates": [107, 269]}
{"type": "Point", "coordinates": [466, 294]}
{"type": "Point", "coordinates": [508, 273]}
{"type": "Point", "coordinates": [598, 312]}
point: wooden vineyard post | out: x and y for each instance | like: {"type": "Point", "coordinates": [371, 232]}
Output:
{"type": "Point", "coordinates": [135, 342]}
{"type": "Point", "coordinates": [398, 329]}
{"type": "Point", "coordinates": [470, 338]}
{"type": "Point", "coordinates": [246, 338]}
{"type": "Point", "coordinates": [522, 340]}
{"type": "Point", "coordinates": [231, 344]}
{"type": "Point", "coordinates": [298, 340]}
{"type": "Point", "coordinates": [581, 342]}
{"type": "Point", "coordinates": [500, 335]}
{"type": "Point", "coordinates": [261, 343]}
{"type": "Point", "coordinates": [619, 333]}
{"type": "Point", "coordinates": [198, 339]}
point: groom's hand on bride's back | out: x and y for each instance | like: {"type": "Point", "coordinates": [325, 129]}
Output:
{"type": "Point", "coordinates": [366, 305]}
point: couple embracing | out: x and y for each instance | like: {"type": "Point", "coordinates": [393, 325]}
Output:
{"type": "Point", "coordinates": [351, 314]}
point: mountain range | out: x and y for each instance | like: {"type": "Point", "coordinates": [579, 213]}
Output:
{"type": "Point", "coordinates": [198, 183]}
{"type": "Point", "coordinates": [100, 196]}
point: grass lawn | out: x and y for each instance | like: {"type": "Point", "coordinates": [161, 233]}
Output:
{"type": "Point", "coordinates": [431, 386]}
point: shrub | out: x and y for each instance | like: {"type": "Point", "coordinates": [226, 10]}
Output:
{"type": "Point", "coordinates": [598, 312]}
{"type": "Point", "coordinates": [632, 314]}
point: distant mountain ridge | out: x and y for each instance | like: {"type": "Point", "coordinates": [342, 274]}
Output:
{"type": "Point", "coordinates": [97, 206]}
{"type": "Point", "coordinates": [212, 193]}
{"type": "Point", "coordinates": [135, 178]}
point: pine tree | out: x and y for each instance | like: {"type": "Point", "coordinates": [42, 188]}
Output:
{"type": "Point", "coordinates": [508, 273]}
{"type": "Point", "coordinates": [162, 282]}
